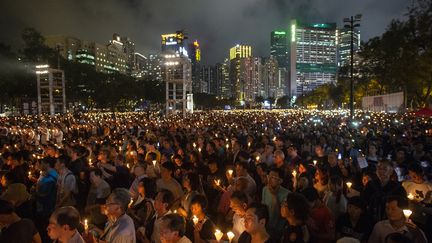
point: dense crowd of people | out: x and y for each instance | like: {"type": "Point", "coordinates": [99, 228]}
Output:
{"type": "Point", "coordinates": [238, 176]}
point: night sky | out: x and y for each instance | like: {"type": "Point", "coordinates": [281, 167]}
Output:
{"type": "Point", "coordinates": [217, 24]}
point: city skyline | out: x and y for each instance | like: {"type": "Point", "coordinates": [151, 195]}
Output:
{"type": "Point", "coordinates": [216, 25]}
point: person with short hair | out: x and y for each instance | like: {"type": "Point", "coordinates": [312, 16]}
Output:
{"type": "Point", "coordinates": [203, 230]}
{"type": "Point", "coordinates": [99, 192]}
{"type": "Point", "coordinates": [418, 186]}
{"type": "Point", "coordinates": [396, 222]}
{"type": "Point", "coordinates": [120, 227]}
{"type": "Point", "coordinates": [354, 222]}
{"type": "Point", "coordinates": [272, 196]}
{"type": "Point", "coordinates": [238, 204]}
{"type": "Point", "coordinates": [321, 222]}
{"type": "Point", "coordinates": [168, 182]}
{"type": "Point", "coordinates": [295, 210]}
{"type": "Point", "coordinates": [173, 229]}
{"type": "Point", "coordinates": [14, 228]}
{"type": "Point", "coordinates": [378, 190]}
{"type": "Point", "coordinates": [63, 225]}
{"type": "Point", "coordinates": [256, 218]}
{"type": "Point", "coordinates": [163, 202]}
{"type": "Point", "coordinates": [66, 183]}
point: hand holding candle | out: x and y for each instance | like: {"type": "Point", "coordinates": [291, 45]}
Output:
{"type": "Point", "coordinates": [230, 235]}
{"type": "Point", "coordinates": [195, 219]}
{"type": "Point", "coordinates": [86, 227]}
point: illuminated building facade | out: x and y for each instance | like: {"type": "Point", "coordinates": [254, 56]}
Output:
{"type": "Point", "coordinates": [223, 80]}
{"type": "Point", "coordinates": [174, 43]}
{"type": "Point", "coordinates": [194, 52]}
{"type": "Point", "coordinates": [240, 51]}
{"type": "Point", "coordinates": [178, 79]}
{"type": "Point", "coordinates": [51, 90]}
{"type": "Point", "coordinates": [250, 79]}
{"type": "Point", "coordinates": [313, 57]}
{"type": "Point", "coordinates": [279, 47]}
{"type": "Point", "coordinates": [107, 58]}
{"type": "Point", "coordinates": [344, 45]}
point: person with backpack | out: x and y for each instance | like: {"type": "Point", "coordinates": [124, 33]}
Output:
{"type": "Point", "coordinates": [66, 183]}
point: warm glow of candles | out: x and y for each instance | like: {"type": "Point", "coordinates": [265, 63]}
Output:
{"type": "Point", "coordinates": [86, 225]}
{"type": "Point", "coordinates": [218, 234]}
{"type": "Point", "coordinates": [230, 172]}
{"type": "Point", "coordinates": [349, 184]}
{"type": "Point", "coordinates": [407, 213]}
{"type": "Point", "coordinates": [130, 203]}
{"type": "Point", "coordinates": [154, 162]}
{"type": "Point", "coordinates": [195, 219]}
{"type": "Point", "coordinates": [294, 173]}
{"type": "Point", "coordinates": [217, 182]}
{"type": "Point", "coordinates": [194, 145]}
{"type": "Point", "coordinates": [230, 235]}
{"type": "Point", "coordinates": [249, 144]}
{"type": "Point", "coordinates": [410, 196]}
{"type": "Point", "coordinates": [199, 150]}
{"type": "Point", "coordinates": [257, 158]}
{"type": "Point", "coordinates": [315, 162]}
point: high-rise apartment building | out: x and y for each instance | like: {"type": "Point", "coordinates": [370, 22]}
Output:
{"type": "Point", "coordinates": [344, 45]}
{"type": "Point", "coordinates": [313, 56]}
{"type": "Point", "coordinates": [279, 46]}
{"type": "Point", "coordinates": [107, 58]}
{"type": "Point", "coordinates": [223, 80]}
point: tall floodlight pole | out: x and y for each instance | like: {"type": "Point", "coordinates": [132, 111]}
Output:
{"type": "Point", "coordinates": [352, 23]}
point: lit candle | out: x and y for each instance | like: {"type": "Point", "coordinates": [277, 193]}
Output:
{"type": "Point", "coordinates": [407, 213]}
{"type": "Point", "coordinates": [194, 145]}
{"type": "Point", "coordinates": [29, 173]}
{"type": "Point", "coordinates": [294, 173]}
{"type": "Point", "coordinates": [410, 196]}
{"type": "Point", "coordinates": [227, 146]}
{"type": "Point", "coordinates": [154, 162]}
{"type": "Point", "coordinates": [218, 234]}
{"type": "Point", "coordinates": [130, 203]}
{"type": "Point", "coordinates": [315, 162]}
{"type": "Point", "coordinates": [349, 184]}
{"type": "Point", "coordinates": [249, 144]}
{"type": "Point", "coordinates": [127, 165]}
{"type": "Point", "coordinates": [199, 150]}
{"type": "Point", "coordinates": [230, 235]}
{"type": "Point", "coordinates": [195, 219]}
{"type": "Point", "coordinates": [230, 172]}
{"type": "Point", "coordinates": [217, 182]}
{"type": "Point", "coordinates": [257, 158]}
{"type": "Point", "coordinates": [86, 225]}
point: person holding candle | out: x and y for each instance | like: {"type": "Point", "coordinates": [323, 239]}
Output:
{"type": "Point", "coordinates": [98, 193]}
{"type": "Point", "coordinates": [192, 185]}
{"type": "Point", "coordinates": [203, 230]}
{"type": "Point", "coordinates": [66, 183]}
{"type": "Point", "coordinates": [238, 204]}
{"type": "Point", "coordinates": [396, 222]}
{"type": "Point", "coordinates": [418, 186]}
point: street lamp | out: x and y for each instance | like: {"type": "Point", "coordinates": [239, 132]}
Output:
{"type": "Point", "coordinates": [351, 23]}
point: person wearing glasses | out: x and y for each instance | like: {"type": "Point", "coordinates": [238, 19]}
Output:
{"type": "Point", "coordinates": [120, 227]}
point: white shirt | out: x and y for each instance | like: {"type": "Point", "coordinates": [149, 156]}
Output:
{"type": "Point", "coordinates": [421, 192]}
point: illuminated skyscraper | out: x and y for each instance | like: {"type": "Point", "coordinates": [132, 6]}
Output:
{"type": "Point", "coordinates": [240, 51]}
{"type": "Point", "coordinates": [313, 57]}
{"type": "Point", "coordinates": [279, 47]}
{"type": "Point", "coordinates": [223, 80]}
{"type": "Point", "coordinates": [174, 43]}
{"type": "Point", "coordinates": [194, 53]}
{"type": "Point", "coordinates": [344, 45]}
